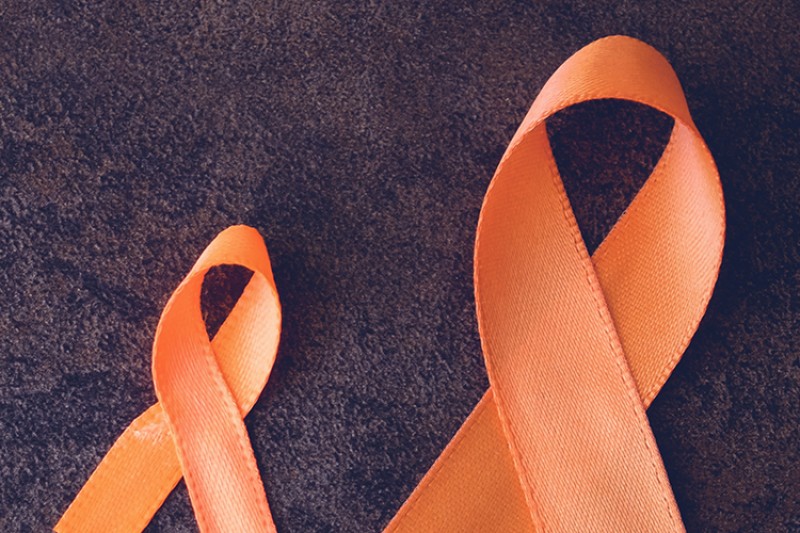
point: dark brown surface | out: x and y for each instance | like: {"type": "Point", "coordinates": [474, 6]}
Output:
{"type": "Point", "coordinates": [360, 141]}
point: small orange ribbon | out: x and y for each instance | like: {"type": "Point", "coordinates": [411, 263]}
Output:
{"type": "Point", "coordinates": [575, 346]}
{"type": "Point", "coordinates": [204, 388]}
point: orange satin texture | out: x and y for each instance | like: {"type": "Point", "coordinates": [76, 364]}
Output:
{"type": "Point", "coordinates": [576, 348]}
{"type": "Point", "coordinates": [195, 430]}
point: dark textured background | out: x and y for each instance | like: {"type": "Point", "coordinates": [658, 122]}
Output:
{"type": "Point", "coordinates": [359, 139]}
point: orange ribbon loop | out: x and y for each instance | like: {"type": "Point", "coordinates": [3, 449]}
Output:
{"type": "Point", "coordinates": [576, 347]}
{"type": "Point", "coordinates": [195, 430]}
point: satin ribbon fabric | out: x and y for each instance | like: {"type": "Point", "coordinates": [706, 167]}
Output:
{"type": "Point", "coordinates": [575, 346]}
{"type": "Point", "coordinates": [204, 390]}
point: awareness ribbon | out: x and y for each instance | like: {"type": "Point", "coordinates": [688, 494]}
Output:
{"type": "Point", "coordinates": [576, 348]}
{"type": "Point", "coordinates": [204, 388]}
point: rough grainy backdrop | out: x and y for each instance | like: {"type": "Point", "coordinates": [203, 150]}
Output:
{"type": "Point", "coordinates": [359, 139]}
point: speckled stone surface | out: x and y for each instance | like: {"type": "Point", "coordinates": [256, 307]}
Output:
{"type": "Point", "coordinates": [359, 139]}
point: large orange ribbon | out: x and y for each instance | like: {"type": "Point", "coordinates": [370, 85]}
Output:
{"type": "Point", "coordinates": [576, 347]}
